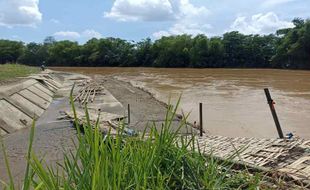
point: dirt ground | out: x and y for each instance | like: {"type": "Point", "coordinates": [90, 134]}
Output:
{"type": "Point", "coordinates": [11, 81]}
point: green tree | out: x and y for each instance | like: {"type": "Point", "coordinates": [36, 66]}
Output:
{"type": "Point", "coordinates": [10, 51]}
{"type": "Point", "coordinates": [64, 53]}
{"type": "Point", "coordinates": [293, 49]}
{"type": "Point", "coordinates": [235, 52]}
{"type": "Point", "coordinates": [199, 52]}
{"type": "Point", "coordinates": [217, 52]}
{"type": "Point", "coordinates": [144, 55]}
{"type": "Point", "coordinates": [34, 54]}
{"type": "Point", "coordinates": [90, 53]}
{"type": "Point", "coordinates": [172, 51]}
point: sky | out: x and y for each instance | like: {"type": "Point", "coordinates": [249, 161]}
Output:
{"type": "Point", "coordinates": [81, 20]}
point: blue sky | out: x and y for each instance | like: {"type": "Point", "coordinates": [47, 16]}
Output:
{"type": "Point", "coordinates": [80, 20]}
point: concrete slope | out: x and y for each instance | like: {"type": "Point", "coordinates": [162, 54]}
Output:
{"type": "Point", "coordinates": [21, 102]}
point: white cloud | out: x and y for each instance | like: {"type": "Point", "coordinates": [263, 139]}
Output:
{"type": "Point", "coordinates": [271, 3]}
{"type": "Point", "coordinates": [91, 34]}
{"type": "Point", "coordinates": [259, 24]}
{"type": "Point", "coordinates": [189, 11]}
{"type": "Point", "coordinates": [189, 19]}
{"type": "Point", "coordinates": [86, 34]}
{"type": "Point", "coordinates": [160, 34]}
{"type": "Point", "coordinates": [20, 13]}
{"type": "Point", "coordinates": [153, 10]}
{"type": "Point", "coordinates": [67, 34]}
{"type": "Point", "coordinates": [146, 10]}
{"type": "Point", "coordinates": [183, 28]}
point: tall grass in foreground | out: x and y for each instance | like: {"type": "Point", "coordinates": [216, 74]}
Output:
{"type": "Point", "coordinates": [157, 160]}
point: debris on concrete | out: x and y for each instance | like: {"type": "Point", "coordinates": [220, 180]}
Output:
{"type": "Point", "coordinates": [101, 104]}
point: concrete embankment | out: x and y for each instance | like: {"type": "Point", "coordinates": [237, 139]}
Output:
{"type": "Point", "coordinates": [28, 99]}
{"type": "Point", "coordinates": [54, 133]}
{"type": "Point", "coordinates": [46, 97]}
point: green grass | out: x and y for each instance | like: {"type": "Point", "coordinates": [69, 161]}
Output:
{"type": "Point", "coordinates": [157, 160]}
{"type": "Point", "coordinates": [9, 71]}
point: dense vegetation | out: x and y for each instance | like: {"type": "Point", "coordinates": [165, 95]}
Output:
{"type": "Point", "coordinates": [288, 48]}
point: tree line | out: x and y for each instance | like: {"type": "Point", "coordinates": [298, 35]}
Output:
{"type": "Point", "coordinates": [287, 48]}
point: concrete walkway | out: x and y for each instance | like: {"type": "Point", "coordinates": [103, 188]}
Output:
{"type": "Point", "coordinates": [145, 109]}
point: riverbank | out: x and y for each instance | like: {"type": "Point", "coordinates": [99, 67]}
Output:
{"type": "Point", "coordinates": [234, 102]}
{"type": "Point", "coordinates": [54, 137]}
{"type": "Point", "coordinates": [9, 73]}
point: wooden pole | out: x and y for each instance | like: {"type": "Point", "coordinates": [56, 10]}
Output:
{"type": "Point", "coordinates": [200, 120]}
{"type": "Point", "coordinates": [273, 112]}
{"type": "Point", "coordinates": [128, 112]}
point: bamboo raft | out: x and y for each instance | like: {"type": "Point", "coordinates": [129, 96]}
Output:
{"type": "Point", "coordinates": [96, 97]}
{"type": "Point", "coordinates": [291, 157]}
{"type": "Point", "coordinates": [88, 92]}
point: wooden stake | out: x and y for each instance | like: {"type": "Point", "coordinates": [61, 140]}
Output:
{"type": "Point", "coordinates": [274, 113]}
{"type": "Point", "coordinates": [128, 112]}
{"type": "Point", "coordinates": [200, 120]}
{"type": "Point", "coordinates": [94, 94]}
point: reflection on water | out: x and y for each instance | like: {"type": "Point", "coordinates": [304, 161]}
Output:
{"type": "Point", "coordinates": [234, 100]}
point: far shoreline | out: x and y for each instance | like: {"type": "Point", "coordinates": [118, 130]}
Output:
{"type": "Point", "coordinates": [67, 68]}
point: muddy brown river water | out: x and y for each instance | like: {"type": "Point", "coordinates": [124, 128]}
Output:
{"type": "Point", "coordinates": [234, 103]}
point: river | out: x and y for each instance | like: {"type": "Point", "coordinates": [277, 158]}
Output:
{"type": "Point", "coordinates": [234, 102]}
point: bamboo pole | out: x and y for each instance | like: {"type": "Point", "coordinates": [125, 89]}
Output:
{"type": "Point", "coordinates": [274, 113]}
{"type": "Point", "coordinates": [200, 120]}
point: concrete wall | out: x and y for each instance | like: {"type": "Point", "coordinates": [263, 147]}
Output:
{"type": "Point", "coordinates": [21, 103]}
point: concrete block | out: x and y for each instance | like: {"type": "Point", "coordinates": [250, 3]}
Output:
{"type": "Point", "coordinates": [34, 98]}
{"type": "Point", "coordinates": [11, 89]}
{"type": "Point", "coordinates": [107, 97]}
{"type": "Point", "coordinates": [44, 89]}
{"type": "Point", "coordinates": [47, 85]}
{"type": "Point", "coordinates": [40, 93]}
{"type": "Point", "coordinates": [54, 82]}
{"type": "Point", "coordinates": [5, 127]}
{"type": "Point", "coordinates": [2, 132]}
{"type": "Point", "coordinates": [27, 104]}
{"type": "Point", "coordinates": [46, 78]}
{"type": "Point", "coordinates": [51, 85]}
{"type": "Point", "coordinates": [13, 117]}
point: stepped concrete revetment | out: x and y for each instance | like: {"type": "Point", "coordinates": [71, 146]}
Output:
{"type": "Point", "coordinates": [22, 102]}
